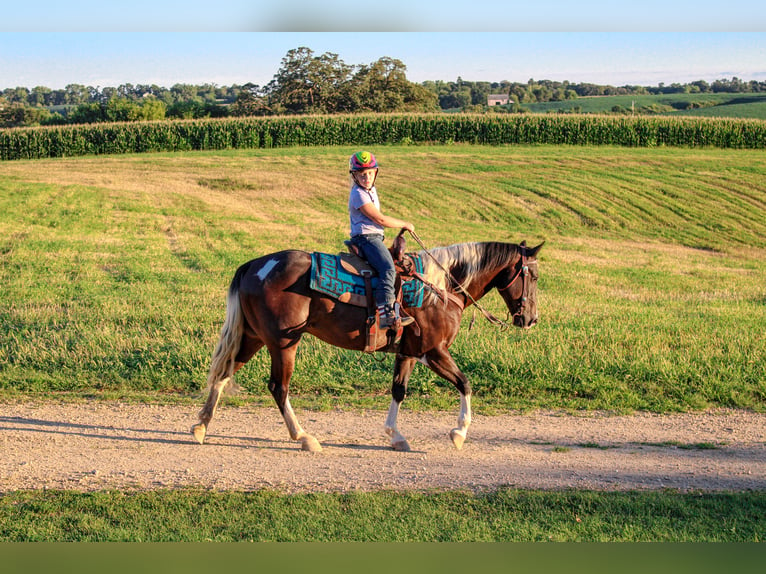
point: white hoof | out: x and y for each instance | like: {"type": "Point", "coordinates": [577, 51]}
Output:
{"type": "Point", "coordinates": [458, 438]}
{"type": "Point", "coordinates": [199, 431]}
{"type": "Point", "coordinates": [310, 444]}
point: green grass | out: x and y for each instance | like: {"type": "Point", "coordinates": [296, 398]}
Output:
{"type": "Point", "coordinates": [726, 105]}
{"type": "Point", "coordinates": [114, 271]}
{"type": "Point", "coordinates": [505, 515]}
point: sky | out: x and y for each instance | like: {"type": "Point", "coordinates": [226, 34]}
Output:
{"type": "Point", "coordinates": [234, 42]}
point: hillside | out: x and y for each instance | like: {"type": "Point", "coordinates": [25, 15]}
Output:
{"type": "Point", "coordinates": [115, 270]}
{"type": "Point", "coordinates": [729, 105]}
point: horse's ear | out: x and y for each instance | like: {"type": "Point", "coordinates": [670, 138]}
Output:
{"type": "Point", "coordinates": [523, 243]}
{"type": "Point", "coordinates": [534, 250]}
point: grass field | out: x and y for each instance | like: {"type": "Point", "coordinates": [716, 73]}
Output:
{"type": "Point", "coordinates": [710, 105]}
{"type": "Point", "coordinates": [114, 271]}
{"type": "Point", "coordinates": [503, 516]}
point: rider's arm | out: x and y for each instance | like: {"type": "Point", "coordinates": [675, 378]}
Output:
{"type": "Point", "coordinates": [375, 215]}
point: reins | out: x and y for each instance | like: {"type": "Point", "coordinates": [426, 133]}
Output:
{"type": "Point", "coordinates": [487, 315]}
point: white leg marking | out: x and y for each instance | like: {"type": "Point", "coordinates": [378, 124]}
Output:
{"type": "Point", "coordinates": [463, 422]}
{"type": "Point", "coordinates": [398, 442]}
{"type": "Point", "coordinates": [393, 413]}
{"type": "Point", "coordinates": [308, 442]}
{"type": "Point", "coordinates": [208, 410]}
{"type": "Point", "coordinates": [293, 426]}
{"type": "Point", "coordinates": [264, 271]}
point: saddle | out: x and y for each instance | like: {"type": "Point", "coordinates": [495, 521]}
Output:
{"type": "Point", "coordinates": [348, 278]}
{"type": "Point", "coordinates": [354, 263]}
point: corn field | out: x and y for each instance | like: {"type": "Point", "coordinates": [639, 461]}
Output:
{"type": "Point", "coordinates": [232, 133]}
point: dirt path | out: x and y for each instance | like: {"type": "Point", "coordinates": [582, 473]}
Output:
{"type": "Point", "coordinates": [105, 445]}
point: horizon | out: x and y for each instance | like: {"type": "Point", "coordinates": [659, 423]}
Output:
{"type": "Point", "coordinates": [571, 83]}
{"type": "Point", "coordinates": [648, 59]}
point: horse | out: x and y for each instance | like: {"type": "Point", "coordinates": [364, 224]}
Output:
{"type": "Point", "coordinates": [270, 303]}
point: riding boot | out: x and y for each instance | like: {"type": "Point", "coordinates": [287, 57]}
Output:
{"type": "Point", "coordinates": [404, 318]}
{"type": "Point", "coordinates": [390, 316]}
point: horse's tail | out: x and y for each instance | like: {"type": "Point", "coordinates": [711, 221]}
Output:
{"type": "Point", "coordinates": [223, 360]}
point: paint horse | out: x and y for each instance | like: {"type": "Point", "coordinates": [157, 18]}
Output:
{"type": "Point", "coordinates": [270, 303]}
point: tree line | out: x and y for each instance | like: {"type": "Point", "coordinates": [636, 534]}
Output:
{"type": "Point", "coordinates": [473, 95]}
{"type": "Point", "coordinates": [306, 83]}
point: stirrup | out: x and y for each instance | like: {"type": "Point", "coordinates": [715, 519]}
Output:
{"type": "Point", "coordinates": [391, 317]}
{"type": "Point", "coordinates": [386, 317]}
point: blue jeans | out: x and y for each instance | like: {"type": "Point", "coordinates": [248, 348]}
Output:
{"type": "Point", "coordinates": [378, 256]}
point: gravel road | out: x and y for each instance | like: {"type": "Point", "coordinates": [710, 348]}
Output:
{"type": "Point", "coordinates": [107, 445]}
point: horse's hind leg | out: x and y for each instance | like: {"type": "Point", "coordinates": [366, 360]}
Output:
{"type": "Point", "coordinates": [282, 366]}
{"type": "Point", "coordinates": [248, 348]}
{"type": "Point", "coordinates": [199, 430]}
{"type": "Point", "coordinates": [441, 362]}
{"type": "Point", "coordinates": [402, 371]}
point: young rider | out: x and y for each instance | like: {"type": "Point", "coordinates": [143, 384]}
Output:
{"type": "Point", "coordinates": [368, 224]}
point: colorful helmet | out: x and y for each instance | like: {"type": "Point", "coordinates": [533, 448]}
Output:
{"type": "Point", "coordinates": [362, 160]}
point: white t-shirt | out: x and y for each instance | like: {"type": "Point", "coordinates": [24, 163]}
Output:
{"type": "Point", "coordinates": [360, 223]}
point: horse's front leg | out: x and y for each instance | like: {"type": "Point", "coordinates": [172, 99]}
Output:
{"type": "Point", "coordinates": [440, 361]}
{"type": "Point", "coordinates": [402, 371]}
{"type": "Point", "coordinates": [282, 366]}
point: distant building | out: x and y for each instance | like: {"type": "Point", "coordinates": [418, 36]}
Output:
{"type": "Point", "coordinates": [497, 99]}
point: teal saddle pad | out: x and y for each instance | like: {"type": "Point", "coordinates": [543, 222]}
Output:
{"type": "Point", "coordinates": [330, 278]}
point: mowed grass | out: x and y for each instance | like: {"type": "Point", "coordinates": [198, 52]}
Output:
{"type": "Point", "coordinates": [506, 515]}
{"type": "Point", "coordinates": [114, 271]}
{"type": "Point", "coordinates": [724, 105]}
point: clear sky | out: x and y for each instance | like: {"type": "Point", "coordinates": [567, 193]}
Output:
{"type": "Point", "coordinates": [235, 42]}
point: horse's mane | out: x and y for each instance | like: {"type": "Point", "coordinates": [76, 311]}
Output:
{"type": "Point", "coordinates": [466, 261]}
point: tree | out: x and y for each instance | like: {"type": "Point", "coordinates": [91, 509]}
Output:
{"type": "Point", "coordinates": [86, 114]}
{"type": "Point", "coordinates": [127, 92]}
{"type": "Point", "coordinates": [383, 87]}
{"type": "Point", "coordinates": [701, 86]}
{"type": "Point", "coordinates": [479, 93]}
{"type": "Point", "coordinates": [208, 92]}
{"type": "Point", "coordinates": [106, 94]}
{"type": "Point", "coordinates": [18, 95]}
{"type": "Point", "coordinates": [121, 110]}
{"type": "Point", "coordinates": [308, 84]}
{"type": "Point", "coordinates": [184, 93]}
{"type": "Point", "coordinates": [20, 115]}
{"type": "Point", "coordinates": [153, 109]}
{"type": "Point", "coordinates": [40, 96]}
{"type": "Point", "coordinates": [250, 102]}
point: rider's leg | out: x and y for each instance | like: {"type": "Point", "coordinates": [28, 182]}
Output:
{"type": "Point", "coordinates": [379, 257]}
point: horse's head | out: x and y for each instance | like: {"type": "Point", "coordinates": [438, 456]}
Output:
{"type": "Point", "coordinates": [517, 285]}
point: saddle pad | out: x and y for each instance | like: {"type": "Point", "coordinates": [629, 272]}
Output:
{"type": "Point", "coordinates": [329, 277]}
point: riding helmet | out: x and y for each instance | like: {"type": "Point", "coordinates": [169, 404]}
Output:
{"type": "Point", "coordinates": [362, 160]}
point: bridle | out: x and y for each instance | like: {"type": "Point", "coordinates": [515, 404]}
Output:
{"type": "Point", "coordinates": [523, 273]}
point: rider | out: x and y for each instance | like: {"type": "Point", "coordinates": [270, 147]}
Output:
{"type": "Point", "coordinates": [367, 228]}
